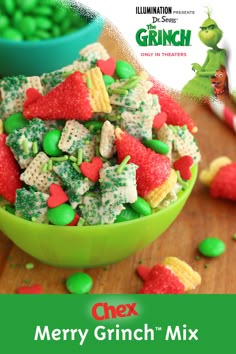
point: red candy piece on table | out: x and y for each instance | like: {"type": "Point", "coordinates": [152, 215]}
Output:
{"type": "Point", "coordinates": [9, 172]}
{"type": "Point", "coordinates": [107, 67]}
{"type": "Point", "coordinates": [143, 271]}
{"type": "Point", "coordinates": [33, 289]}
{"type": "Point", "coordinates": [223, 184]}
{"type": "Point", "coordinates": [153, 169]}
{"type": "Point", "coordinates": [74, 221]}
{"type": "Point", "coordinates": [57, 196]}
{"type": "Point", "coordinates": [162, 280]}
{"type": "Point", "coordinates": [176, 115]}
{"type": "Point", "coordinates": [91, 169]}
{"type": "Point", "coordinates": [183, 165]}
{"type": "Point", "coordinates": [159, 120]}
{"type": "Point", "coordinates": [69, 100]}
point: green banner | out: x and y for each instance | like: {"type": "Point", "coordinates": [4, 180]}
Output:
{"type": "Point", "coordinates": [185, 324]}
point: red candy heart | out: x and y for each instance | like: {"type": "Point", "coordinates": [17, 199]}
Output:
{"type": "Point", "coordinates": [143, 271]}
{"type": "Point", "coordinates": [107, 67]}
{"type": "Point", "coordinates": [74, 221]}
{"type": "Point", "coordinates": [57, 196]}
{"type": "Point", "coordinates": [183, 165]}
{"type": "Point", "coordinates": [32, 96]}
{"type": "Point", "coordinates": [33, 289]}
{"type": "Point", "coordinates": [91, 169]}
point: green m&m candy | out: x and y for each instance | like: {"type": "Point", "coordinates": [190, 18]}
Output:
{"type": "Point", "coordinates": [124, 70]}
{"type": "Point", "coordinates": [126, 215]}
{"type": "Point", "coordinates": [141, 207]}
{"type": "Point", "coordinates": [50, 143]}
{"type": "Point", "coordinates": [108, 80]}
{"type": "Point", "coordinates": [61, 215]}
{"type": "Point", "coordinates": [27, 5]}
{"type": "Point", "coordinates": [79, 283]}
{"type": "Point", "coordinates": [15, 121]}
{"type": "Point", "coordinates": [211, 247]}
{"type": "Point", "coordinates": [157, 146]}
{"type": "Point", "coordinates": [12, 34]}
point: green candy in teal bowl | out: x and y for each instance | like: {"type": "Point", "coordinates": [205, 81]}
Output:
{"type": "Point", "coordinates": [32, 58]}
{"type": "Point", "coordinates": [91, 246]}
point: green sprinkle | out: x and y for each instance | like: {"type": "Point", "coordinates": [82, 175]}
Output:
{"type": "Point", "coordinates": [9, 258]}
{"type": "Point", "coordinates": [114, 118]}
{"type": "Point", "coordinates": [35, 147]}
{"type": "Point", "coordinates": [76, 167]}
{"type": "Point", "coordinates": [197, 258]}
{"type": "Point", "coordinates": [73, 158]}
{"type": "Point", "coordinates": [29, 266]}
{"type": "Point", "coordinates": [206, 266]}
{"type": "Point", "coordinates": [119, 91]}
{"type": "Point", "coordinates": [50, 165]}
{"type": "Point", "coordinates": [123, 164]}
{"type": "Point", "coordinates": [131, 83]}
{"type": "Point", "coordinates": [140, 262]}
{"type": "Point", "coordinates": [89, 83]}
{"type": "Point", "coordinates": [25, 147]}
{"type": "Point", "coordinates": [26, 281]}
{"type": "Point", "coordinates": [65, 74]}
{"type": "Point", "coordinates": [80, 157]}
{"type": "Point", "coordinates": [13, 266]}
{"type": "Point", "coordinates": [234, 237]}
{"type": "Point", "coordinates": [106, 268]}
{"type": "Point", "coordinates": [44, 167]}
{"type": "Point", "coordinates": [81, 222]}
{"type": "Point", "coordinates": [60, 159]}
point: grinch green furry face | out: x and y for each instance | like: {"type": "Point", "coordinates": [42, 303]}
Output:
{"type": "Point", "coordinates": [210, 34]}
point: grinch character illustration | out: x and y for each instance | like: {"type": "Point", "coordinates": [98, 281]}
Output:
{"type": "Point", "coordinates": [210, 35]}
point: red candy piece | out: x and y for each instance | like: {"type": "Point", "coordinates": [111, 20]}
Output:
{"type": "Point", "coordinates": [33, 289]}
{"type": "Point", "coordinates": [9, 172]}
{"type": "Point", "coordinates": [69, 100]}
{"type": "Point", "coordinates": [159, 120]}
{"type": "Point", "coordinates": [91, 169]}
{"type": "Point", "coordinates": [183, 165]}
{"type": "Point", "coordinates": [107, 67]}
{"type": "Point", "coordinates": [143, 271]}
{"type": "Point", "coordinates": [176, 115]}
{"type": "Point", "coordinates": [57, 196]}
{"type": "Point", "coordinates": [224, 183]}
{"type": "Point", "coordinates": [74, 221]}
{"type": "Point", "coordinates": [162, 280]}
{"type": "Point", "coordinates": [153, 169]}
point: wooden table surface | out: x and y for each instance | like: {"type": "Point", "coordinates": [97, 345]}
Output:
{"type": "Point", "coordinates": [201, 217]}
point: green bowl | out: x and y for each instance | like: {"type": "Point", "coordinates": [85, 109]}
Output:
{"type": "Point", "coordinates": [32, 58]}
{"type": "Point", "coordinates": [90, 246]}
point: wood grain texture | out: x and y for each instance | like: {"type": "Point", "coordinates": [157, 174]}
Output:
{"type": "Point", "coordinates": [202, 216]}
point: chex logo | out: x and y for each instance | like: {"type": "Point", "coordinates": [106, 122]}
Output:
{"type": "Point", "coordinates": [104, 311]}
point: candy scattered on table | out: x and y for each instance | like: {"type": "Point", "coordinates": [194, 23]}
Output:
{"type": "Point", "coordinates": [211, 247]}
{"type": "Point", "coordinates": [79, 283]}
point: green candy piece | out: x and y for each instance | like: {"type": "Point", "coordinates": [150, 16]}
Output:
{"type": "Point", "coordinates": [42, 34]}
{"type": "Point", "coordinates": [50, 143]}
{"type": "Point", "coordinates": [141, 207]}
{"type": "Point", "coordinates": [211, 247]}
{"type": "Point", "coordinates": [12, 34]}
{"type": "Point", "coordinates": [108, 80]}
{"type": "Point", "coordinates": [43, 11]}
{"type": "Point", "coordinates": [15, 121]}
{"type": "Point", "coordinates": [61, 215]}
{"type": "Point", "coordinates": [27, 26]}
{"type": "Point", "coordinates": [127, 214]}
{"type": "Point", "coordinates": [17, 18]}
{"type": "Point", "coordinates": [94, 125]}
{"type": "Point", "coordinates": [9, 6]}
{"type": "Point", "coordinates": [4, 22]}
{"type": "Point", "coordinates": [56, 32]}
{"type": "Point", "coordinates": [43, 23]}
{"type": "Point", "coordinates": [124, 70]}
{"type": "Point", "coordinates": [66, 25]}
{"type": "Point", "coordinates": [79, 283]}
{"type": "Point", "coordinates": [157, 145]}
{"type": "Point", "coordinates": [27, 5]}
{"type": "Point", "coordinates": [60, 14]}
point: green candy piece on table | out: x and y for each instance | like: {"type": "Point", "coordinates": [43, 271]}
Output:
{"type": "Point", "coordinates": [211, 247]}
{"type": "Point", "coordinates": [108, 80]}
{"type": "Point", "coordinates": [94, 125]}
{"type": "Point", "coordinates": [124, 70]}
{"type": "Point", "coordinates": [9, 6]}
{"type": "Point", "coordinates": [27, 5]}
{"type": "Point", "coordinates": [61, 215]}
{"type": "Point", "coordinates": [157, 146]}
{"type": "Point", "coordinates": [4, 22]}
{"type": "Point", "coordinates": [12, 34]}
{"type": "Point", "coordinates": [127, 214]}
{"type": "Point", "coordinates": [27, 26]}
{"type": "Point", "coordinates": [79, 283]}
{"type": "Point", "coordinates": [15, 121]}
{"type": "Point", "coordinates": [50, 143]}
{"type": "Point", "coordinates": [141, 207]}
{"type": "Point", "coordinates": [43, 23]}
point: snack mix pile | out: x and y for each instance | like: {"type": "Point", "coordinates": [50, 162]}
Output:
{"type": "Point", "coordinates": [92, 143]}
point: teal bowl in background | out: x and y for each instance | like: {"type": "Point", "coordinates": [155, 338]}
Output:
{"type": "Point", "coordinates": [32, 58]}
{"type": "Point", "coordinates": [90, 246]}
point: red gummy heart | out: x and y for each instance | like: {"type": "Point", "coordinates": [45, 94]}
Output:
{"type": "Point", "coordinates": [91, 169]}
{"type": "Point", "coordinates": [33, 289]}
{"type": "Point", "coordinates": [183, 165]}
{"type": "Point", "coordinates": [57, 196]}
{"type": "Point", "coordinates": [32, 96]}
{"type": "Point", "coordinates": [143, 271]}
{"type": "Point", "coordinates": [107, 67]}
{"type": "Point", "coordinates": [74, 221]}
{"type": "Point", "coordinates": [159, 120]}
